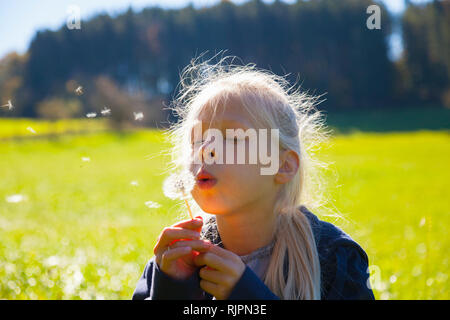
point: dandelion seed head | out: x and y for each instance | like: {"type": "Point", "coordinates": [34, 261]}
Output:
{"type": "Point", "coordinates": [138, 115]}
{"type": "Point", "coordinates": [91, 115]}
{"type": "Point", "coordinates": [179, 185]}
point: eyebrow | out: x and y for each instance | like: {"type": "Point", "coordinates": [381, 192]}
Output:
{"type": "Point", "coordinates": [235, 122]}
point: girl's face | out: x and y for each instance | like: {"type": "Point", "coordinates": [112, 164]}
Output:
{"type": "Point", "coordinates": [237, 186]}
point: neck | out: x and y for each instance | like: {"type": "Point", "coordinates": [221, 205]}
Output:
{"type": "Point", "coordinates": [248, 228]}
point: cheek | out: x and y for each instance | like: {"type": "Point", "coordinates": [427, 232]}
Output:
{"type": "Point", "coordinates": [245, 180]}
{"type": "Point", "coordinates": [239, 185]}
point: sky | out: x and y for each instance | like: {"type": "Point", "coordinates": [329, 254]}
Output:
{"type": "Point", "coordinates": [20, 19]}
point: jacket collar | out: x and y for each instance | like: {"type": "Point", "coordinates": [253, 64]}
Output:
{"type": "Point", "coordinates": [211, 232]}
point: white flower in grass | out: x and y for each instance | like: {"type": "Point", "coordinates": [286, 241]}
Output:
{"type": "Point", "coordinates": [15, 198]}
{"type": "Point", "coordinates": [152, 204]}
{"type": "Point", "coordinates": [52, 261]}
{"type": "Point", "coordinates": [91, 115]}
{"type": "Point", "coordinates": [31, 130]}
{"type": "Point", "coordinates": [422, 222]}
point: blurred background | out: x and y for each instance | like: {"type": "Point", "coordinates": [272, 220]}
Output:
{"type": "Point", "coordinates": [84, 89]}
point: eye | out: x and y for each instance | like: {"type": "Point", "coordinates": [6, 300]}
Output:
{"type": "Point", "coordinates": [197, 142]}
{"type": "Point", "coordinates": [234, 140]}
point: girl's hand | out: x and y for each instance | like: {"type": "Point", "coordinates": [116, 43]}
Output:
{"type": "Point", "coordinates": [176, 247]}
{"type": "Point", "coordinates": [222, 270]}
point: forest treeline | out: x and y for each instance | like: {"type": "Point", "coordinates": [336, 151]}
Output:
{"type": "Point", "coordinates": [133, 61]}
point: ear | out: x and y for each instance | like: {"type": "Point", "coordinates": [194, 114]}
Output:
{"type": "Point", "coordinates": [289, 164]}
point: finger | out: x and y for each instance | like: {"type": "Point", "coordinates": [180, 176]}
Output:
{"type": "Point", "coordinates": [223, 253]}
{"type": "Point", "coordinates": [215, 276]}
{"type": "Point", "coordinates": [193, 224]}
{"type": "Point", "coordinates": [212, 260]}
{"type": "Point", "coordinates": [198, 245]}
{"type": "Point", "coordinates": [176, 253]}
{"type": "Point", "coordinates": [170, 234]}
{"type": "Point", "coordinates": [210, 287]}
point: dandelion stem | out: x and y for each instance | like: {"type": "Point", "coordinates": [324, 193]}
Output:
{"type": "Point", "coordinates": [189, 208]}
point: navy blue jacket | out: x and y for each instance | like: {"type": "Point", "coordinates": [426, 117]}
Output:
{"type": "Point", "coordinates": [343, 263]}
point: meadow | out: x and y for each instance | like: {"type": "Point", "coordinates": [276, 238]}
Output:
{"type": "Point", "coordinates": [74, 223]}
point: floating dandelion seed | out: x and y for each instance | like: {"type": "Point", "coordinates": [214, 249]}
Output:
{"type": "Point", "coordinates": [152, 204]}
{"type": "Point", "coordinates": [138, 115]}
{"type": "Point", "coordinates": [15, 198]}
{"type": "Point", "coordinates": [106, 111]}
{"type": "Point", "coordinates": [79, 90]}
{"type": "Point", "coordinates": [179, 186]}
{"type": "Point", "coordinates": [134, 183]}
{"type": "Point", "coordinates": [8, 105]}
{"type": "Point", "coordinates": [85, 159]}
{"type": "Point", "coordinates": [91, 115]}
{"type": "Point", "coordinates": [31, 130]}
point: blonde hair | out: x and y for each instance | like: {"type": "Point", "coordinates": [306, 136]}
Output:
{"type": "Point", "coordinates": [274, 104]}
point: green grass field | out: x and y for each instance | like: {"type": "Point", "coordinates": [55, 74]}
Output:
{"type": "Point", "coordinates": [83, 231]}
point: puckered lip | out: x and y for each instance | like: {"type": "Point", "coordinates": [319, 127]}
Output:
{"type": "Point", "coordinates": [204, 175]}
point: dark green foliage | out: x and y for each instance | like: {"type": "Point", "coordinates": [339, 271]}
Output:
{"type": "Point", "coordinates": [323, 44]}
{"type": "Point", "coordinates": [426, 63]}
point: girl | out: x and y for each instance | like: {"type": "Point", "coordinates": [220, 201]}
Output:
{"type": "Point", "coordinates": [259, 240]}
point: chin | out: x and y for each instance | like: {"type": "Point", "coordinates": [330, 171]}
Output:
{"type": "Point", "coordinates": [211, 206]}
{"type": "Point", "coordinates": [215, 202]}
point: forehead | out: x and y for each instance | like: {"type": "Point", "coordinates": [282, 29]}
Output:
{"type": "Point", "coordinates": [228, 111]}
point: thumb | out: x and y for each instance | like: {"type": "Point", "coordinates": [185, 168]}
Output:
{"type": "Point", "coordinates": [200, 218]}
